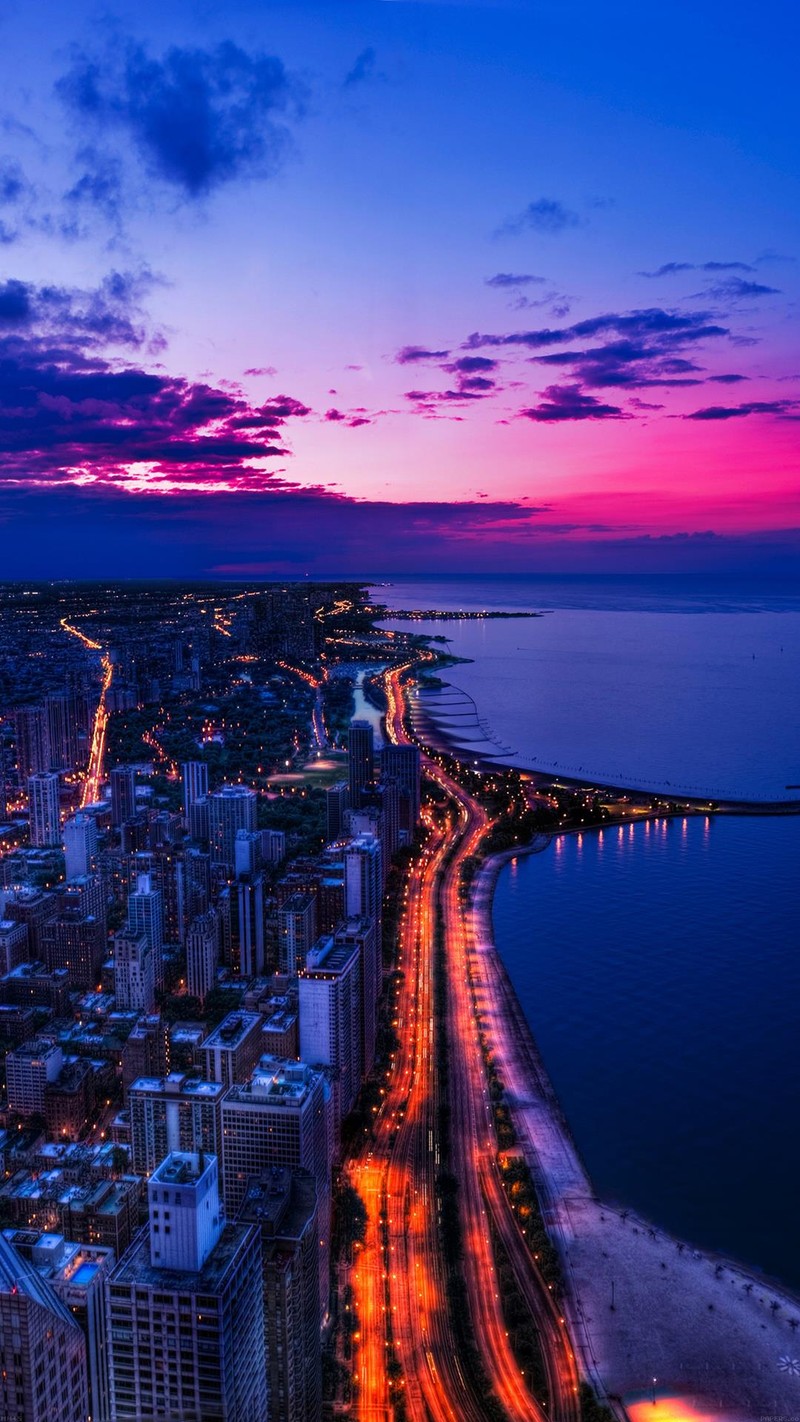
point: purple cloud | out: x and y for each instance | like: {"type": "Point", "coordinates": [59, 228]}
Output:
{"type": "Point", "coordinates": [786, 408]}
{"type": "Point", "coordinates": [568, 402]}
{"type": "Point", "coordinates": [411, 355]}
{"type": "Point", "coordinates": [504, 280]}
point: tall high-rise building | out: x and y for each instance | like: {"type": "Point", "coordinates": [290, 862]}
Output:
{"type": "Point", "coordinates": [230, 809]}
{"type": "Point", "coordinates": [146, 916]}
{"type": "Point", "coordinates": [33, 751]}
{"type": "Point", "coordinates": [174, 1112]}
{"type": "Point", "coordinates": [186, 1309]}
{"type": "Point", "coordinates": [192, 887]}
{"type": "Point", "coordinates": [273, 846]}
{"type": "Point", "coordinates": [329, 989]}
{"type": "Point", "coordinates": [202, 954]}
{"type": "Point", "coordinates": [77, 1274]}
{"type": "Point", "coordinates": [364, 899]}
{"type": "Point", "coordinates": [134, 981]}
{"type": "Point", "coordinates": [13, 945]}
{"type": "Point", "coordinates": [62, 730]}
{"type": "Point", "coordinates": [76, 941]}
{"type": "Point", "coordinates": [361, 761]}
{"type": "Point", "coordinates": [361, 932]}
{"type": "Point", "coordinates": [248, 926]}
{"type": "Point", "coordinates": [194, 782]}
{"type": "Point", "coordinates": [43, 1371]}
{"type": "Point", "coordinates": [246, 853]}
{"type": "Point", "coordinates": [80, 845]}
{"type": "Point", "coordinates": [297, 931]}
{"type": "Point", "coordinates": [282, 1203]}
{"type": "Point", "coordinates": [337, 799]}
{"type": "Point", "coordinates": [231, 1051]}
{"type": "Point", "coordinates": [30, 1068]}
{"type": "Point", "coordinates": [45, 821]}
{"type": "Point", "coordinates": [403, 763]}
{"type": "Point", "coordinates": [123, 794]}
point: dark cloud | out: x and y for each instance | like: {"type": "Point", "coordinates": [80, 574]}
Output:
{"type": "Point", "coordinates": [786, 408]}
{"type": "Point", "coordinates": [410, 355]}
{"type": "Point", "coordinates": [568, 402]}
{"type": "Point", "coordinates": [197, 117]}
{"type": "Point", "coordinates": [727, 379]}
{"type": "Point", "coordinates": [544, 215]}
{"type": "Point", "coordinates": [736, 289]}
{"type": "Point", "coordinates": [99, 187]}
{"type": "Point", "coordinates": [672, 268]}
{"type": "Point", "coordinates": [364, 68]}
{"type": "Point", "coordinates": [468, 365]}
{"type": "Point", "coordinates": [651, 347]}
{"type": "Point", "coordinates": [509, 279]}
{"type": "Point", "coordinates": [261, 370]}
{"type": "Point", "coordinates": [13, 183]}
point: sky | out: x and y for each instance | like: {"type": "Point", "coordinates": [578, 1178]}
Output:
{"type": "Point", "coordinates": [395, 286]}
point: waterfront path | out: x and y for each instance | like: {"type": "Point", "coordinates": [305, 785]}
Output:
{"type": "Point", "coordinates": [705, 1337]}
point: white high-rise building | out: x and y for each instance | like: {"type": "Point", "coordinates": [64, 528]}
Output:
{"type": "Point", "coordinates": [146, 915]}
{"type": "Point", "coordinates": [45, 821]}
{"type": "Point", "coordinates": [329, 989]}
{"type": "Point", "coordinates": [186, 1309]}
{"type": "Point", "coordinates": [134, 982]}
{"type": "Point", "coordinates": [80, 845]}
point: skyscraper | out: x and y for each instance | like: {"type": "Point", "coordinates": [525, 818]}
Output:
{"type": "Point", "coordinates": [248, 925]}
{"type": "Point", "coordinates": [282, 1203]}
{"type": "Point", "coordinates": [45, 821]}
{"type": "Point", "coordinates": [134, 983]}
{"type": "Point", "coordinates": [329, 990]}
{"type": "Point", "coordinates": [80, 845]}
{"type": "Point", "coordinates": [337, 798]}
{"type": "Point", "coordinates": [361, 761]}
{"type": "Point", "coordinates": [186, 1307]}
{"type": "Point", "coordinates": [297, 931]}
{"type": "Point", "coordinates": [33, 751]}
{"type": "Point", "coordinates": [146, 916]}
{"type": "Point", "coordinates": [231, 808]}
{"type": "Point", "coordinates": [202, 954]}
{"type": "Point", "coordinates": [194, 781]}
{"type": "Point", "coordinates": [174, 1112]}
{"type": "Point", "coordinates": [123, 794]}
{"type": "Point", "coordinates": [402, 763]}
{"type": "Point", "coordinates": [42, 1350]}
{"type": "Point", "coordinates": [62, 730]}
{"type": "Point", "coordinates": [282, 1116]}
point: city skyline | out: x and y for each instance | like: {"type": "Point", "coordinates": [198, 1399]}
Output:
{"type": "Point", "coordinates": [301, 289]}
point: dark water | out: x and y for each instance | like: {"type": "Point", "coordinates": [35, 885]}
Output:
{"type": "Point", "coordinates": [660, 971]}
{"type": "Point", "coordinates": [659, 968]}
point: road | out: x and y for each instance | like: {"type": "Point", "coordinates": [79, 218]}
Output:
{"type": "Point", "coordinates": [408, 1339]}
{"type": "Point", "coordinates": [97, 752]}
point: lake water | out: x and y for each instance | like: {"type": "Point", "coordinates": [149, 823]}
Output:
{"type": "Point", "coordinates": [659, 968]}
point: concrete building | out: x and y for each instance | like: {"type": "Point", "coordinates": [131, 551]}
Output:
{"type": "Point", "coordinates": [80, 845]}
{"type": "Point", "coordinates": [329, 989]}
{"type": "Point", "coordinates": [337, 800]}
{"type": "Point", "coordinates": [361, 932]}
{"type": "Point", "coordinates": [43, 1368]}
{"type": "Point", "coordinates": [230, 809]}
{"type": "Point", "coordinates": [146, 916]}
{"type": "Point", "coordinates": [282, 1204]}
{"type": "Point", "coordinates": [175, 1112]}
{"type": "Point", "coordinates": [146, 1051]}
{"type": "Point", "coordinates": [78, 943]}
{"type": "Point", "coordinates": [134, 979]}
{"type": "Point", "coordinates": [45, 819]}
{"type": "Point", "coordinates": [29, 1068]}
{"type": "Point", "coordinates": [77, 1274]}
{"type": "Point", "coordinates": [33, 750]}
{"type": "Point", "coordinates": [123, 794]}
{"type": "Point", "coordinates": [230, 1052]}
{"type": "Point", "coordinates": [194, 781]}
{"type": "Point", "coordinates": [13, 945]}
{"type": "Point", "coordinates": [186, 1309]}
{"type": "Point", "coordinates": [202, 954]}
{"type": "Point", "coordinates": [297, 931]}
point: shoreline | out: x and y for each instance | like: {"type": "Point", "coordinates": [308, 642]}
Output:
{"type": "Point", "coordinates": [441, 740]}
{"type": "Point", "coordinates": [618, 1266]}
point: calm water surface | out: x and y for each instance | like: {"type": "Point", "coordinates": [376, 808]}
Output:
{"type": "Point", "coordinates": [660, 971]}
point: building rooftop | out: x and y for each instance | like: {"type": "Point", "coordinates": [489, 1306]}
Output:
{"type": "Point", "coordinates": [233, 1030]}
{"type": "Point", "coordinates": [276, 1082]}
{"type": "Point", "coordinates": [176, 1084]}
{"type": "Point", "coordinates": [135, 1267]}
